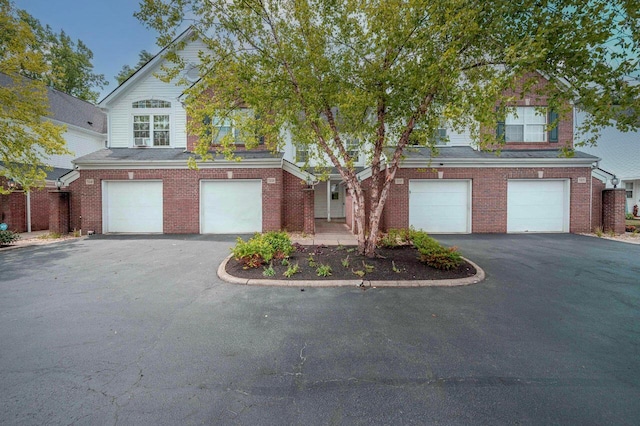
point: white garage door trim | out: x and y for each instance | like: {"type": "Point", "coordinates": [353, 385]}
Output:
{"type": "Point", "coordinates": [132, 206]}
{"type": "Point", "coordinates": [237, 209]}
{"type": "Point", "coordinates": [542, 209]}
{"type": "Point", "coordinates": [450, 213]}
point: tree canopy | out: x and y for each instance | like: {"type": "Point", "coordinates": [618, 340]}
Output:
{"type": "Point", "coordinates": [26, 138]}
{"type": "Point", "coordinates": [127, 71]}
{"type": "Point", "coordinates": [374, 72]}
{"type": "Point", "coordinates": [70, 68]}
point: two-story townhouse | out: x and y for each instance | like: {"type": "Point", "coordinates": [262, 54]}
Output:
{"type": "Point", "coordinates": [86, 132]}
{"type": "Point", "coordinates": [141, 182]}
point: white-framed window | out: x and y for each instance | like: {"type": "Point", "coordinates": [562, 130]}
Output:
{"type": "Point", "coordinates": [221, 127]}
{"type": "Point", "coordinates": [439, 137]}
{"type": "Point", "coordinates": [628, 187]}
{"type": "Point", "coordinates": [526, 124]}
{"type": "Point", "coordinates": [151, 123]}
{"type": "Point", "coordinates": [302, 153]}
{"type": "Point", "coordinates": [353, 145]}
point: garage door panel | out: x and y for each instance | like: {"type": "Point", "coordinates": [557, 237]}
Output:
{"type": "Point", "coordinates": [439, 206]}
{"type": "Point", "coordinates": [537, 206]}
{"type": "Point", "coordinates": [133, 206]}
{"type": "Point", "coordinates": [231, 206]}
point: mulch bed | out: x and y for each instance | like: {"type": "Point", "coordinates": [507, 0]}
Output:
{"type": "Point", "coordinates": [405, 260]}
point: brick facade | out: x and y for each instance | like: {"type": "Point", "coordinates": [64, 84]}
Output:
{"type": "Point", "coordinates": [613, 210]}
{"type": "Point", "coordinates": [181, 193]}
{"type": "Point", "coordinates": [536, 98]}
{"type": "Point", "coordinates": [596, 203]}
{"type": "Point", "coordinates": [40, 209]}
{"type": "Point", "coordinates": [489, 195]}
{"type": "Point", "coordinates": [59, 212]}
{"type": "Point", "coordinates": [13, 210]}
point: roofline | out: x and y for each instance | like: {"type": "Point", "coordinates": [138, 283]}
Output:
{"type": "Point", "coordinates": [143, 69]}
{"type": "Point", "coordinates": [497, 162]}
{"type": "Point", "coordinates": [74, 127]}
{"type": "Point", "coordinates": [257, 163]}
{"type": "Point", "coordinates": [291, 168]}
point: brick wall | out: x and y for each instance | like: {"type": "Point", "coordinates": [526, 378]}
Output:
{"type": "Point", "coordinates": [13, 211]}
{"type": "Point", "coordinates": [294, 200]}
{"type": "Point", "coordinates": [181, 207]}
{"type": "Point", "coordinates": [75, 212]}
{"type": "Point", "coordinates": [40, 203]}
{"type": "Point", "coordinates": [565, 124]}
{"type": "Point", "coordinates": [59, 212]}
{"type": "Point", "coordinates": [596, 206]}
{"type": "Point", "coordinates": [613, 210]}
{"type": "Point", "coordinates": [489, 195]}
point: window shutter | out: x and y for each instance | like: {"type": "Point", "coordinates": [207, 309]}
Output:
{"type": "Point", "coordinates": [553, 133]}
{"type": "Point", "coordinates": [500, 131]}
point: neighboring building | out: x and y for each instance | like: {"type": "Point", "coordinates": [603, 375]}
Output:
{"type": "Point", "coordinates": [86, 132]}
{"type": "Point", "coordinates": [620, 153]}
{"type": "Point", "coordinates": [141, 183]}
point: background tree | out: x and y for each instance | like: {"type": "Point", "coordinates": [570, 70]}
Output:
{"type": "Point", "coordinates": [375, 71]}
{"type": "Point", "coordinates": [70, 69]}
{"type": "Point", "coordinates": [127, 71]}
{"type": "Point", "coordinates": [26, 138]}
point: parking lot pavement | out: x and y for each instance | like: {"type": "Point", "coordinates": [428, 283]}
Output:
{"type": "Point", "coordinates": [139, 330]}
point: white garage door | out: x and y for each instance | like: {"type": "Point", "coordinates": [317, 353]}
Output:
{"type": "Point", "coordinates": [230, 206]}
{"type": "Point", "coordinates": [440, 206]}
{"type": "Point", "coordinates": [132, 206]}
{"type": "Point", "coordinates": [537, 206]}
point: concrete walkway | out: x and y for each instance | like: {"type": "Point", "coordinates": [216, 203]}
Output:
{"type": "Point", "coordinates": [329, 234]}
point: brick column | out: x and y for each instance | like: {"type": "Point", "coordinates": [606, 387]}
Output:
{"type": "Point", "coordinates": [613, 211]}
{"type": "Point", "coordinates": [309, 221]}
{"type": "Point", "coordinates": [59, 212]}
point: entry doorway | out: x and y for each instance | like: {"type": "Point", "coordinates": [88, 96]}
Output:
{"type": "Point", "coordinates": [329, 200]}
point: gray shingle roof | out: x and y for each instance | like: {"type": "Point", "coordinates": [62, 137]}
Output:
{"type": "Point", "coordinates": [159, 154]}
{"type": "Point", "coordinates": [70, 110]}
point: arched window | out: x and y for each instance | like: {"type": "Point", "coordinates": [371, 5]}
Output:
{"type": "Point", "coordinates": [151, 123]}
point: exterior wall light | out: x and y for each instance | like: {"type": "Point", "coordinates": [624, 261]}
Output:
{"type": "Point", "coordinates": [615, 181]}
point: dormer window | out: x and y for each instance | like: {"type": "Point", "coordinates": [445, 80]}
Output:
{"type": "Point", "coordinates": [151, 123]}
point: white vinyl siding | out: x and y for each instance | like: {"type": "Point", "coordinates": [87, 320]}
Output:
{"type": "Point", "coordinates": [538, 206]}
{"type": "Point", "coordinates": [79, 143]}
{"type": "Point", "coordinates": [230, 206]}
{"type": "Point", "coordinates": [440, 206]}
{"type": "Point", "coordinates": [132, 206]}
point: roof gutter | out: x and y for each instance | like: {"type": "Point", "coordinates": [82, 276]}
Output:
{"type": "Point", "coordinates": [258, 163]}
{"type": "Point", "coordinates": [498, 162]}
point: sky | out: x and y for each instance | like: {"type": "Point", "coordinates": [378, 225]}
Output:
{"type": "Point", "coordinates": [107, 27]}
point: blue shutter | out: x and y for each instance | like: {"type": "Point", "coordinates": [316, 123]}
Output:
{"type": "Point", "coordinates": [500, 131]}
{"type": "Point", "coordinates": [553, 133]}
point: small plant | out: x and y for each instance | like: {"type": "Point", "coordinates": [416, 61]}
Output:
{"type": "Point", "coordinates": [285, 262]}
{"type": "Point", "coordinates": [8, 237]}
{"type": "Point", "coordinates": [611, 233]}
{"type": "Point", "coordinates": [340, 247]}
{"type": "Point", "coordinates": [395, 238]}
{"type": "Point", "coordinates": [324, 271]}
{"type": "Point", "coordinates": [394, 268]}
{"type": "Point", "coordinates": [368, 268]}
{"type": "Point", "coordinates": [358, 272]}
{"type": "Point", "coordinates": [598, 231]}
{"type": "Point", "coordinates": [269, 272]}
{"type": "Point", "coordinates": [629, 216]}
{"type": "Point", "coordinates": [76, 233]}
{"type": "Point", "coordinates": [351, 250]}
{"type": "Point", "coordinates": [311, 261]}
{"type": "Point", "coordinates": [291, 270]}
{"type": "Point", "coordinates": [346, 262]}
{"type": "Point", "coordinates": [50, 236]}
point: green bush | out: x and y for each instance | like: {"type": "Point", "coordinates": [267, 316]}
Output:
{"type": "Point", "coordinates": [280, 242]}
{"type": "Point", "coordinates": [8, 237]}
{"type": "Point", "coordinates": [262, 248]}
{"type": "Point", "coordinates": [435, 254]}
{"type": "Point", "coordinates": [395, 238]}
{"type": "Point", "coordinates": [629, 216]}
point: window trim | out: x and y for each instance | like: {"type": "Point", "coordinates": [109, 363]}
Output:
{"type": "Point", "coordinates": [522, 116]}
{"type": "Point", "coordinates": [166, 110]}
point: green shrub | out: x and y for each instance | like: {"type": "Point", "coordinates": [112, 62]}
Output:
{"type": "Point", "coordinates": [262, 248]}
{"type": "Point", "coordinates": [269, 272]}
{"type": "Point", "coordinates": [8, 237]}
{"type": "Point", "coordinates": [280, 242]}
{"type": "Point", "coordinates": [629, 216]}
{"type": "Point", "coordinates": [433, 253]}
{"type": "Point", "coordinates": [395, 238]}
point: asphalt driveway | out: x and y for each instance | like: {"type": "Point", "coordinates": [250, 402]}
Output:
{"type": "Point", "coordinates": [124, 330]}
